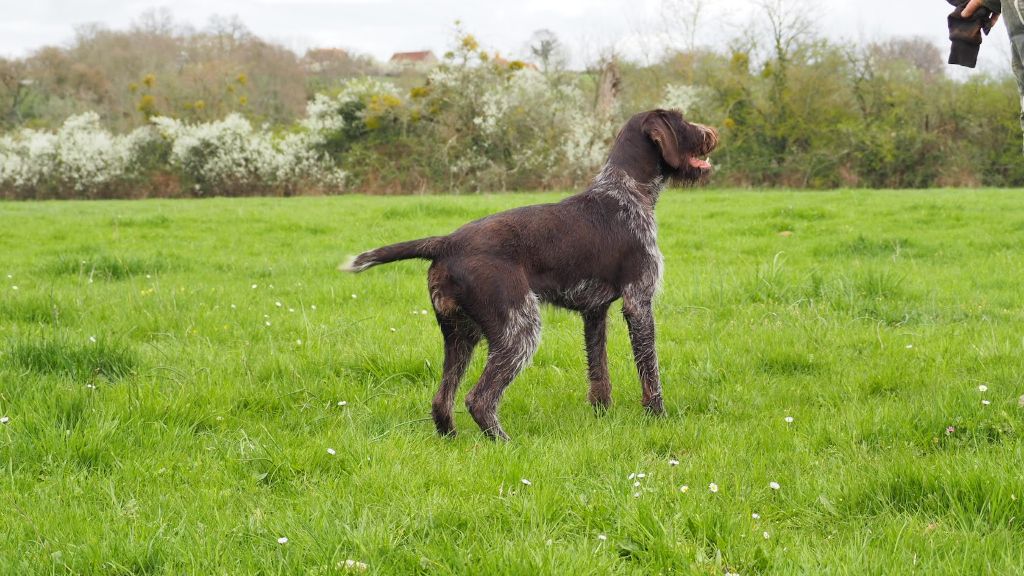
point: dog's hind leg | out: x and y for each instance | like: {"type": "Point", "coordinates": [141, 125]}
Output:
{"type": "Point", "coordinates": [595, 324]}
{"type": "Point", "coordinates": [512, 341]}
{"type": "Point", "coordinates": [461, 336]}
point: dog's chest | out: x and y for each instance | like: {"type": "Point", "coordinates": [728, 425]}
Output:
{"type": "Point", "coordinates": [633, 206]}
{"type": "Point", "coordinates": [642, 226]}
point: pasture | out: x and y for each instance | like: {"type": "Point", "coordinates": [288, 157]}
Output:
{"type": "Point", "coordinates": [185, 384]}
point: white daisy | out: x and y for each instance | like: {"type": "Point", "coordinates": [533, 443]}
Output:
{"type": "Point", "coordinates": [713, 487]}
{"type": "Point", "coordinates": [526, 482]}
{"type": "Point", "coordinates": [282, 540]}
{"type": "Point", "coordinates": [331, 451]}
{"type": "Point", "coordinates": [774, 485]}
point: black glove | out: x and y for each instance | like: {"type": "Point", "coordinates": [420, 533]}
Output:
{"type": "Point", "coordinates": [965, 33]}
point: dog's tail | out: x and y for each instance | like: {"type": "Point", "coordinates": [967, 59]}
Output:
{"type": "Point", "coordinates": [426, 248]}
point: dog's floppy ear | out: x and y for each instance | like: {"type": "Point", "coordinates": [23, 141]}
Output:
{"type": "Point", "coordinates": [656, 127]}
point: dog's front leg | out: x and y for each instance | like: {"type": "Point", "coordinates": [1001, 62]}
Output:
{"type": "Point", "coordinates": [639, 316]}
{"type": "Point", "coordinates": [594, 332]}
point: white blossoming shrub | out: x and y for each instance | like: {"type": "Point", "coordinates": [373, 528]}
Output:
{"type": "Point", "coordinates": [476, 124]}
{"type": "Point", "coordinates": [514, 127]}
{"type": "Point", "coordinates": [80, 156]}
{"type": "Point", "coordinates": [359, 99]}
{"type": "Point", "coordinates": [229, 156]}
{"type": "Point", "coordinates": [88, 156]}
{"type": "Point", "coordinates": [27, 158]}
{"type": "Point", "coordinates": [366, 89]}
{"type": "Point", "coordinates": [322, 116]}
{"type": "Point", "coordinates": [585, 144]}
{"type": "Point", "coordinates": [684, 97]}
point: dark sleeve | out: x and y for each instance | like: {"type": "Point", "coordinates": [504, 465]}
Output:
{"type": "Point", "coordinates": [993, 5]}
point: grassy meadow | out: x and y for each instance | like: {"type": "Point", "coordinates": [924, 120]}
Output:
{"type": "Point", "coordinates": [185, 384]}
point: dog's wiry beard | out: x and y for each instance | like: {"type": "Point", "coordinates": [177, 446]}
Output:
{"type": "Point", "coordinates": [688, 176]}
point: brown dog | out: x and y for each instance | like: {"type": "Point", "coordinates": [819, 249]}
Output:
{"type": "Point", "coordinates": [583, 253]}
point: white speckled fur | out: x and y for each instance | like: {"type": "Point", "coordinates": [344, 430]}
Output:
{"type": "Point", "coordinates": [637, 201]}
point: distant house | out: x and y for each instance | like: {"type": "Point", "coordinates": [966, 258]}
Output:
{"type": "Point", "coordinates": [422, 60]}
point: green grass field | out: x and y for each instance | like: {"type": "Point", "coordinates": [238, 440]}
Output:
{"type": "Point", "coordinates": [173, 376]}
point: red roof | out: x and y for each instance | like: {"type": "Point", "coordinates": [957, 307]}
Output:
{"type": "Point", "coordinates": [422, 56]}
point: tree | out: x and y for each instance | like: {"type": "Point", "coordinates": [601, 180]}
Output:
{"type": "Point", "coordinates": [681, 20]}
{"type": "Point", "coordinates": [609, 85]}
{"type": "Point", "coordinates": [788, 28]}
{"type": "Point", "coordinates": [917, 51]}
{"type": "Point", "coordinates": [14, 85]}
{"type": "Point", "coordinates": [545, 46]}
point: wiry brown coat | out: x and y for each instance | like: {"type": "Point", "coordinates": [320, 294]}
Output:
{"type": "Point", "coordinates": [583, 253]}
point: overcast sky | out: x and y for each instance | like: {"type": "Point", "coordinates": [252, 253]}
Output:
{"type": "Point", "coordinates": [381, 27]}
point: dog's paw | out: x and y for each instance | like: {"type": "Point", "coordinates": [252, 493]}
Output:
{"type": "Point", "coordinates": [655, 406]}
{"type": "Point", "coordinates": [600, 397]}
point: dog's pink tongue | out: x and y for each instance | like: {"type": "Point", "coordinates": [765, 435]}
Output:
{"type": "Point", "coordinates": [698, 163]}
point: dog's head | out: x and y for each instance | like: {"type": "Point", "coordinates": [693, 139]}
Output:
{"type": "Point", "coordinates": [679, 148]}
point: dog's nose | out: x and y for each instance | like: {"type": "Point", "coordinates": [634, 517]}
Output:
{"type": "Point", "coordinates": [710, 138]}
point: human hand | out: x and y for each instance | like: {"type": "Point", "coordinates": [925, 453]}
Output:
{"type": "Point", "coordinates": [972, 7]}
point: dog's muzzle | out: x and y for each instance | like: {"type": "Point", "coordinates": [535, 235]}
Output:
{"type": "Point", "coordinates": [708, 143]}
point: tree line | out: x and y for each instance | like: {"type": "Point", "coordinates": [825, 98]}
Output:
{"type": "Point", "coordinates": [793, 110]}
